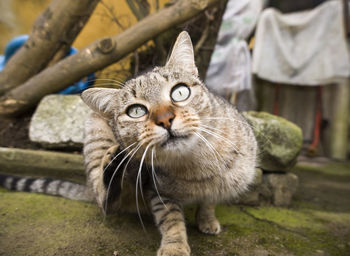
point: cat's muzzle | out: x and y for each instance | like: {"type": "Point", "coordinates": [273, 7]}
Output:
{"type": "Point", "coordinates": [173, 139]}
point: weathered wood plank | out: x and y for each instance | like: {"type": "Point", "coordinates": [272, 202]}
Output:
{"type": "Point", "coordinates": [40, 163]}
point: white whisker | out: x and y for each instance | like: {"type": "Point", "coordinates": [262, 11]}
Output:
{"type": "Point", "coordinates": [220, 137]}
{"type": "Point", "coordinates": [114, 173]}
{"type": "Point", "coordinates": [228, 118]}
{"type": "Point", "coordinates": [140, 184]}
{"type": "Point", "coordinates": [206, 142]}
{"type": "Point", "coordinates": [126, 165]}
{"type": "Point", "coordinates": [154, 176]}
{"type": "Point", "coordinates": [110, 162]}
{"type": "Point", "coordinates": [108, 84]}
{"type": "Point", "coordinates": [121, 83]}
{"type": "Point", "coordinates": [267, 140]}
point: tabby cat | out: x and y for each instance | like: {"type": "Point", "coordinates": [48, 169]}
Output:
{"type": "Point", "coordinates": [164, 141]}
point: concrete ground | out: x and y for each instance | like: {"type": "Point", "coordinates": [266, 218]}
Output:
{"type": "Point", "coordinates": [317, 223]}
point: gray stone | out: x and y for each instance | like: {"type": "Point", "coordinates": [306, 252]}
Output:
{"type": "Point", "coordinates": [250, 198]}
{"type": "Point", "coordinates": [283, 186]}
{"type": "Point", "coordinates": [274, 189]}
{"type": "Point", "coordinates": [59, 121]}
{"type": "Point", "coordinates": [279, 140]}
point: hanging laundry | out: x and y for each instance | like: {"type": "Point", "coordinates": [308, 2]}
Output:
{"type": "Point", "coordinates": [239, 19]}
{"type": "Point", "coordinates": [304, 48]}
{"type": "Point", "coordinates": [229, 68]}
{"type": "Point", "coordinates": [230, 65]}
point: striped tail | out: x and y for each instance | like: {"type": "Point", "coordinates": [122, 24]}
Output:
{"type": "Point", "coordinates": [47, 186]}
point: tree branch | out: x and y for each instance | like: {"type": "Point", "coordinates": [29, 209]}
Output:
{"type": "Point", "coordinates": [98, 55]}
{"type": "Point", "coordinates": [55, 29]}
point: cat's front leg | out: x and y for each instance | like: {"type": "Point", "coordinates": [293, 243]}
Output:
{"type": "Point", "coordinates": [206, 220]}
{"type": "Point", "coordinates": [108, 156]}
{"type": "Point", "coordinates": [169, 218]}
{"type": "Point", "coordinates": [98, 174]}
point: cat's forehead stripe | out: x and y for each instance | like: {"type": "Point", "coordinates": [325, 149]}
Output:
{"type": "Point", "coordinates": [154, 86]}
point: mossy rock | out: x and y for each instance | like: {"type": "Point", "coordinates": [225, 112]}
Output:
{"type": "Point", "coordinates": [279, 140]}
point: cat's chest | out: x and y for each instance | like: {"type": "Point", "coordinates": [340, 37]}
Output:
{"type": "Point", "coordinates": [214, 185]}
{"type": "Point", "coordinates": [207, 177]}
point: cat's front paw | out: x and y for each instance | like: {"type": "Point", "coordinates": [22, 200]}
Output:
{"type": "Point", "coordinates": [108, 156]}
{"type": "Point", "coordinates": [174, 249]}
{"type": "Point", "coordinates": [210, 227]}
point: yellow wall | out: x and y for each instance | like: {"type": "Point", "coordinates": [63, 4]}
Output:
{"type": "Point", "coordinates": [101, 24]}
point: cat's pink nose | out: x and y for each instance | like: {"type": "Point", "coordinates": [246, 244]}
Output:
{"type": "Point", "coordinates": [163, 116]}
{"type": "Point", "coordinates": [165, 119]}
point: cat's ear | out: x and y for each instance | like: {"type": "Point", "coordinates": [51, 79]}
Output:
{"type": "Point", "coordinates": [182, 54]}
{"type": "Point", "coordinates": [101, 100]}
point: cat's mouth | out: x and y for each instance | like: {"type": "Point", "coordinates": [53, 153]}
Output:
{"type": "Point", "coordinates": [173, 139]}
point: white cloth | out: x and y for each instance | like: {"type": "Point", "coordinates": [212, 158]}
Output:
{"type": "Point", "coordinates": [229, 68]}
{"type": "Point", "coordinates": [230, 65]}
{"type": "Point", "coordinates": [239, 19]}
{"type": "Point", "coordinates": [305, 48]}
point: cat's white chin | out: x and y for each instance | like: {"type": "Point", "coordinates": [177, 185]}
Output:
{"type": "Point", "coordinates": [177, 144]}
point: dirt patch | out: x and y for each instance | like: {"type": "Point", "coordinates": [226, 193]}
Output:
{"type": "Point", "coordinates": [14, 132]}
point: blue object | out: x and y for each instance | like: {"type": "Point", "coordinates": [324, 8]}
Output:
{"type": "Point", "coordinates": [2, 62]}
{"type": "Point", "coordinates": [11, 48]}
{"type": "Point", "coordinates": [14, 45]}
{"type": "Point", "coordinates": [80, 86]}
{"type": "Point", "coordinates": [18, 41]}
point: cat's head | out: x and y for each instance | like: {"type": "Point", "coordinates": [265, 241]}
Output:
{"type": "Point", "coordinates": [161, 108]}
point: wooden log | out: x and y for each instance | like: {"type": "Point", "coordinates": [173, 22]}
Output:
{"type": "Point", "coordinates": [55, 29]}
{"type": "Point", "coordinates": [339, 127]}
{"type": "Point", "coordinates": [98, 55]}
{"type": "Point", "coordinates": [40, 163]}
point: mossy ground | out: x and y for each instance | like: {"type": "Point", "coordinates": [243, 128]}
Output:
{"type": "Point", "coordinates": [317, 223]}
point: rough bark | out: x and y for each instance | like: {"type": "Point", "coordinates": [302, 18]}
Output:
{"type": "Point", "coordinates": [53, 31]}
{"type": "Point", "coordinates": [98, 55]}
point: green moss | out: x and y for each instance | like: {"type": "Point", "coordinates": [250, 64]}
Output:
{"type": "Point", "coordinates": [276, 231]}
{"type": "Point", "coordinates": [286, 217]}
{"type": "Point", "coordinates": [279, 140]}
{"type": "Point", "coordinates": [301, 233]}
{"type": "Point", "coordinates": [33, 224]}
{"type": "Point", "coordinates": [44, 225]}
{"type": "Point", "coordinates": [341, 169]}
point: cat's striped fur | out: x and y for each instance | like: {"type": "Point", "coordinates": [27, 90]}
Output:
{"type": "Point", "coordinates": [48, 186]}
{"type": "Point", "coordinates": [167, 153]}
{"type": "Point", "coordinates": [197, 150]}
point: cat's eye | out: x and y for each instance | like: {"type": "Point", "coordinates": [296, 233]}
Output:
{"type": "Point", "coordinates": [180, 92]}
{"type": "Point", "coordinates": [136, 111]}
